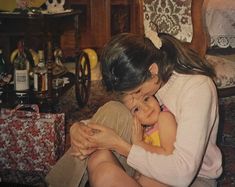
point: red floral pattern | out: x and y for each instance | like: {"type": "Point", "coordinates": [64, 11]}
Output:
{"type": "Point", "coordinates": [30, 141]}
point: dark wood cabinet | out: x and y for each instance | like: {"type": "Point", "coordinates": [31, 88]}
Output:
{"type": "Point", "coordinates": [96, 22]}
{"type": "Point", "coordinates": [99, 20]}
{"type": "Point", "coordinates": [36, 30]}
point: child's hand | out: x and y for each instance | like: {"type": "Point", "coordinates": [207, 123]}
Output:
{"type": "Point", "coordinates": [137, 132]}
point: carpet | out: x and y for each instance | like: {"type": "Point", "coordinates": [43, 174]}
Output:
{"type": "Point", "coordinates": [226, 141]}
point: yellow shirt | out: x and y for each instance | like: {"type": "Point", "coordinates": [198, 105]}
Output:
{"type": "Point", "coordinates": [151, 136]}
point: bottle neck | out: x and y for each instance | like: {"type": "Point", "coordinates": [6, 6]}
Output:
{"type": "Point", "coordinates": [21, 47]}
{"type": "Point", "coordinates": [41, 56]}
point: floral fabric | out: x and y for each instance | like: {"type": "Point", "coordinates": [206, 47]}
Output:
{"type": "Point", "coordinates": [30, 141]}
{"type": "Point", "coordinates": [170, 16]}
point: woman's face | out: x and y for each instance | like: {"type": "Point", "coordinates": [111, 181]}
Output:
{"type": "Point", "coordinates": [149, 87]}
{"type": "Point", "coordinates": [146, 109]}
{"type": "Point", "coordinates": [139, 95]}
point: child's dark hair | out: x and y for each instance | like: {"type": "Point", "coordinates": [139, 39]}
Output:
{"type": "Point", "coordinates": [126, 59]}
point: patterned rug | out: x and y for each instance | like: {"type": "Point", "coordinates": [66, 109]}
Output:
{"type": "Point", "coordinates": [226, 141]}
{"type": "Point", "coordinates": [226, 135]}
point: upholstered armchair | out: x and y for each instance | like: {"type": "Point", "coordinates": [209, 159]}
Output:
{"type": "Point", "coordinates": [185, 19]}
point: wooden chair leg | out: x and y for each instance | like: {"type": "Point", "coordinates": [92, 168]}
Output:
{"type": "Point", "coordinates": [200, 37]}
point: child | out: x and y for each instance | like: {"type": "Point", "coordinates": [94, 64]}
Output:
{"type": "Point", "coordinates": [159, 130]}
{"type": "Point", "coordinates": [159, 125]}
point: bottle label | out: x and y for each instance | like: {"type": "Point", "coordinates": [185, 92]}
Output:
{"type": "Point", "coordinates": [21, 80]}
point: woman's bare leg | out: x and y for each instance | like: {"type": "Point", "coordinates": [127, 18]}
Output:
{"type": "Point", "coordinates": [104, 171]}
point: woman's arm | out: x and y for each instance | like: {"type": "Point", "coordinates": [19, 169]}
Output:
{"type": "Point", "coordinates": [118, 121]}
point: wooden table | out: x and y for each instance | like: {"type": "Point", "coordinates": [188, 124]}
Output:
{"type": "Point", "coordinates": [10, 99]}
{"type": "Point", "coordinates": [40, 29]}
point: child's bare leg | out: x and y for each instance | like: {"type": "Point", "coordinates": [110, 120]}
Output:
{"type": "Point", "coordinates": [104, 170]}
{"type": "Point", "coordinates": [148, 182]}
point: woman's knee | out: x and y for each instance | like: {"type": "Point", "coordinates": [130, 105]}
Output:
{"type": "Point", "coordinates": [102, 175]}
{"type": "Point", "coordinates": [116, 116]}
{"type": "Point", "coordinates": [99, 157]}
{"type": "Point", "coordinates": [102, 166]}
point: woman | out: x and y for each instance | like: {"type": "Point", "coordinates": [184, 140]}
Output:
{"type": "Point", "coordinates": [133, 66]}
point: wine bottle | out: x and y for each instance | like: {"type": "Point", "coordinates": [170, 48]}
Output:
{"type": "Point", "coordinates": [40, 75]}
{"type": "Point", "coordinates": [49, 68]}
{"type": "Point", "coordinates": [21, 70]}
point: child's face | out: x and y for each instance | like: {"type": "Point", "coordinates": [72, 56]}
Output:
{"type": "Point", "coordinates": [145, 108]}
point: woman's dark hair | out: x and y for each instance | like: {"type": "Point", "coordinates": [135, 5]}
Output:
{"type": "Point", "coordinates": [126, 58]}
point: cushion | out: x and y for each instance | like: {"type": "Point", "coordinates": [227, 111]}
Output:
{"type": "Point", "coordinates": [225, 71]}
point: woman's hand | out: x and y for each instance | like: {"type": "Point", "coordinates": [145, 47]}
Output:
{"type": "Point", "coordinates": [137, 132]}
{"type": "Point", "coordinates": [102, 137]}
{"type": "Point", "coordinates": [106, 138]}
{"type": "Point", "coordinates": [79, 137]}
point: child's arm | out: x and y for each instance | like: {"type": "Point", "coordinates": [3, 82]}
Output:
{"type": "Point", "coordinates": [167, 131]}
